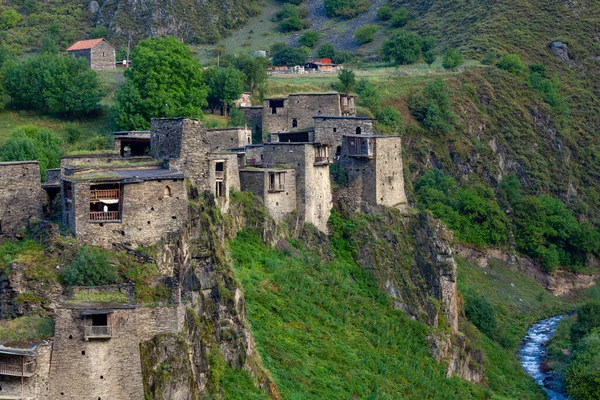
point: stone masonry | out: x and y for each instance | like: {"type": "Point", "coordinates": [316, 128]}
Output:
{"type": "Point", "coordinates": [99, 53]}
{"type": "Point", "coordinates": [227, 138]}
{"type": "Point", "coordinates": [276, 187]}
{"type": "Point", "coordinates": [21, 196]}
{"type": "Point", "coordinates": [329, 129]}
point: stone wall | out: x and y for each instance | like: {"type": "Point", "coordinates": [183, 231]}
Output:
{"type": "Point", "coordinates": [329, 130]}
{"type": "Point", "coordinates": [103, 56]}
{"type": "Point", "coordinates": [230, 177]}
{"type": "Point", "coordinates": [152, 321]}
{"type": "Point", "coordinates": [313, 183]}
{"type": "Point", "coordinates": [254, 155]}
{"type": "Point", "coordinates": [88, 159]}
{"type": "Point", "coordinates": [298, 111]}
{"type": "Point", "coordinates": [104, 369]}
{"type": "Point", "coordinates": [223, 139]}
{"type": "Point", "coordinates": [279, 203]}
{"type": "Point", "coordinates": [184, 143]}
{"type": "Point", "coordinates": [147, 213]}
{"type": "Point", "coordinates": [378, 180]}
{"type": "Point", "coordinates": [21, 195]}
{"type": "Point", "coordinates": [254, 117]}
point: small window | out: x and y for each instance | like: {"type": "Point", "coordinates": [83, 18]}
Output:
{"type": "Point", "coordinates": [294, 123]}
{"type": "Point", "coordinates": [334, 130]}
{"type": "Point", "coordinates": [276, 181]}
{"type": "Point", "coordinates": [220, 189]}
{"type": "Point", "coordinates": [167, 192]}
{"type": "Point", "coordinates": [358, 131]}
{"type": "Point", "coordinates": [219, 170]}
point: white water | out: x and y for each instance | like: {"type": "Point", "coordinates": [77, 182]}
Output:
{"type": "Point", "coordinates": [533, 352]}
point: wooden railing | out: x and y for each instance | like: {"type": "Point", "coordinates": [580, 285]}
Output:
{"type": "Point", "coordinates": [278, 187]}
{"type": "Point", "coordinates": [219, 174]}
{"type": "Point", "coordinates": [104, 216]}
{"type": "Point", "coordinates": [322, 160]}
{"type": "Point", "coordinates": [16, 369]}
{"type": "Point", "coordinates": [104, 194]}
{"type": "Point", "coordinates": [98, 332]}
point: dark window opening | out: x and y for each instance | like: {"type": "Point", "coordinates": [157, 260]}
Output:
{"type": "Point", "coordinates": [219, 170]}
{"type": "Point", "coordinates": [338, 152]}
{"type": "Point", "coordinates": [296, 137]}
{"type": "Point", "coordinates": [274, 105]}
{"type": "Point", "coordinates": [105, 202]}
{"type": "Point", "coordinates": [358, 130]}
{"type": "Point", "coordinates": [294, 123]}
{"type": "Point", "coordinates": [135, 148]}
{"type": "Point", "coordinates": [334, 130]}
{"type": "Point", "coordinates": [99, 320]}
{"type": "Point", "coordinates": [276, 181]}
{"type": "Point", "coordinates": [220, 189]}
{"type": "Point", "coordinates": [83, 353]}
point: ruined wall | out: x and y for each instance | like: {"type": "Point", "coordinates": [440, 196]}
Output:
{"type": "Point", "coordinates": [152, 321]}
{"type": "Point", "coordinates": [222, 139]}
{"type": "Point", "coordinates": [329, 130]}
{"type": "Point", "coordinates": [254, 155]}
{"type": "Point", "coordinates": [147, 214]}
{"type": "Point", "coordinates": [389, 172]}
{"type": "Point", "coordinates": [21, 195]}
{"type": "Point", "coordinates": [254, 117]}
{"type": "Point", "coordinates": [103, 56]}
{"type": "Point", "coordinates": [279, 203]}
{"type": "Point", "coordinates": [230, 177]}
{"type": "Point", "coordinates": [184, 143]}
{"type": "Point", "coordinates": [34, 387]}
{"type": "Point", "coordinates": [274, 120]}
{"type": "Point", "coordinates": [313, 183]}
{"type": "Point", "coordinates": [96, 369]}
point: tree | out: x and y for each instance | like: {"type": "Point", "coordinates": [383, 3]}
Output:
{"type": "Point", "coordinates": [345, 8]}
{"type": "Point", "coordinates": [286, 55]}
{"type": "Point", "coordinates": [400, 18]}
{"type": "Point", "coordinates": [347, 80]}
{"type": "Point", "coordinates": [429, 57]}
{"type": "Point", "coordinates": [225, 85]}
{"type": "Point", "coordinates": [91, 267]}
{"type": "Point", "coordinates": [402, 48]}
{"type": "Point", "coordinates": [429, 43]}
{"type": "Point", "coordinates": [52, 83]}
{"type": "Point", "coordinates": [254, 69]}
{"type": "Point", "coordinates": [164, 81]}
{"type": "Point", "coordinates": [432, 106]}
{"type": "Point", "coordinates": [48, 46]}
{"type": "Point", "coordinates": [309, 39]}
{"type": "Point", "coordinates": [30, 142]}
{"type": "Point", "coordinates": [326, 50]}
{"type": "Point", "coordinates": [452, 59]}
{"type": "Point", "coordinates": [512, 63]}
{"type": "Point", "coordinates": [384, 13]}
{"type": "Point", "coordinates": [365, 33]}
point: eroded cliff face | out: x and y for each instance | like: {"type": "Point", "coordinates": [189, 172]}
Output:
{"type": "Point", "coordinates": [215, 329]}
{"type": "Point", "coordinates": [412, 259]}
{"type": "Point", "coordinates": [195, 21]}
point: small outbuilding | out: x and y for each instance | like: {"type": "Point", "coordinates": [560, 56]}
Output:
{"type": "Point", "coordinates": [99, 53]}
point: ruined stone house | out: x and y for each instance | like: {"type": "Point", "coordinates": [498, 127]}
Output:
{"type": "Point", "coordinates": [99, 53]}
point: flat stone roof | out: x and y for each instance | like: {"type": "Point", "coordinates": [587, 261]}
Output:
{"type": "Point", "coordinates": [129, 175]}
{"type": "Point", "coordinates": [374, 136]}
{"type": "Point", "coordinates": [15, 351]}
{"type": "Point", "coordinates": [129, 133]}
{"type": "Point", "coordinates": [341, 117]}
{"type": "Point", "coordinates": [93, 155]}
{"type": "Point", "coordinates": [227, 129]}
{"type": "Point", "coordinates": [18, 162]}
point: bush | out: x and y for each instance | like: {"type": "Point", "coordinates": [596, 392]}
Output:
{"type": "Point", "coordinates": [399, 18]}
{"type": "Point", "coordinates": [286, 55]}
{"type": "Point", "coordinates": [384, 13]}
{"type": "Point", "coordinates": [489, 58]}
{"type": "Point", "coordinates": [91, 267]}
{"type": "Point", "coordinates": [588, 319]}
{"type": "Point", "coordinates": [365, 33]}
{"type": "Point", "coordinates": [326, 50]}
{"type": "Point", "coordinates": [391, 118]}
{"type": "Point", "coordinates": [582, 376]}
{"type": "Point", "coordinates": [511, 63]}
{"type": "Point", "coordinates": [346, 8]}
{"type": "Point", "coordinates": [452, 59]}
{"type": "Point", "coordinates": [309, 39]}
{"type": "Point", "coordinates": [431, 106]}
{"type": "Point", "coordinates": [368, 95]}
{"type": "Point", "coordinates": [9, 18]}
{"type": "Point", "coordinates": [402, 48]}
{"type": "Point", "coordinates": [429, 57]}
{"type": "Point", "coordinates": [347, 80]}
{"type": "Point", "coordinates": [480, 311]}
{"type": "Point", "coordinates": [30, 142]}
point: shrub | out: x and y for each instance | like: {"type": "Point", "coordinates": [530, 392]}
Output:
{"type": "Point", "coordinates": [346, 8]}
{"type": "Point", "coordinates": [402, 48]}
{"type": "Point", "coordinates": [347, 80]}
{"type": "Point", "coordinates": [429, 57]}
{"type": "Point", "coordinates": [511, 63]}
{"type": "Point", "coordinates": [309, 39]}
{"type": "Point", "coordinates": [326, 50]}
{"type": "Point", "coordinates": [368, 95]}
{"type": "Point", "coordinates": [9, 18]}
{"type": "Point", "coordinates": [399, 18]}
{"type": "Point", "coordinates": [588, 318]}
{"type": "Point", "coordinates": [391, 118]}
{"type": "Point", "coordinates": [480, 311]}
{"type": "Point", "coordinates": [582, 376]}
{"type": "Point", "coordinates": [286, 55]}
{"type": "Point", "coordinates": [365, 33]}
{"type": "Point", "coordinates": [429, 43]}
{"type": "Point", "coordinates": [452, 59]}
{"type": "Point", "coordinates": [91, 267]}
{"type": "Point", "coordinates": [384, 13]}
{"type": "Point", "coordinates": [431, 106]}
{"type": "Point", "coordinates": [489, 58]}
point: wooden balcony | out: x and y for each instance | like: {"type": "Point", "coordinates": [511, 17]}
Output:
{"type": "Point", "coordinates": [98, 332]}
{"type": "Point", "coordinates": [277, 188]}
{"type": "Point", "coordinates": [101, 216]}
{"type": "Point", "coordinates": [322, 160]}
{"type": "Point", "coordinates": [16, 369]}
{"type": "Point", "coordinates": [105, 194]}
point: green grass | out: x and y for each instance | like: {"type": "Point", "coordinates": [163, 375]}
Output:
{"type": "Point", "coordinates": [325, 330]}
{"type": "Point", "coordinates": [22, 330]}
{"type": "Point", "coordinates": [85, 297]}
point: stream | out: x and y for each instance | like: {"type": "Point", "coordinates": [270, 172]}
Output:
{"type": "Point", "coordinates": [533, 352]}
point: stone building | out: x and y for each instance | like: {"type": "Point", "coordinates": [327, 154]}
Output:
{"type": "Point", "coordinates": [313, 184]}
{"type": "Point", "coordinates": [21, 196]}
{"type": "Point", "coordinates": [254, 118]}
{"type": "Point", "coordinates": [226, 138]}
{"type": "Point", "coordinates": [330, 129]}
{"type": "Point", "coordinates": [137, 206]}
{"type": "Point", "coordinates": [24, 372]}
{"type": "Point", "coordinates": [275, 186]}
{"type": "Point", "coordinates": [371, 167]}
{"type": "Point", "coordinates": [296, 111]}
{"type": "Point", "coordinates": [99, 53]}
